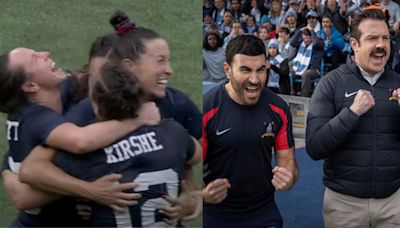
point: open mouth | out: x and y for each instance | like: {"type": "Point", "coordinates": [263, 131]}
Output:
{"type": "Point", "coordinates": [58, 72]}
{"type": "Point", "coordinates": [162, 82]}
{"type": "Point", "coordinates": [377, 58]}
{"type": "Point", "coordinates": [54, 67]}
{"type": "Point", "coordinates": [252, 90]}
{"type": "Point", "coordinates": [378, 53]}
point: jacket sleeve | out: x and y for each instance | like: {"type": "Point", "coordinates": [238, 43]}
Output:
{"type": "Point", "coordinates": [318, 43]}
{"type": "Point", "coordinates": [337, 40]}
{"type": "Point", "coordinates": [326, 127]}
{"type": "Point", "coordinates": [296, 40]}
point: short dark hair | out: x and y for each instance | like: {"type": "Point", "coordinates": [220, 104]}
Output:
{"type": "Point", "coordinates": [244, 44]}
{"type": "Point", "coordinates": [373, 14]}
{"type": "Point", "coordinates": [12, 97]}
{"type": "Point", "coordinates": [117, 93]}
{"type": "Point", "coordinates": [285, 30]}
{"type": "Point", "coordinates": [306, 32]}
{"type": "Point", "coordinates": [228, 11]}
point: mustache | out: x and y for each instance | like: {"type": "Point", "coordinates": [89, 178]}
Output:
{"type": "Point", "coordinates": [378, 51]}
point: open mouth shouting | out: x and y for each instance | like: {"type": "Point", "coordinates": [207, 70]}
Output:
{"type": "Point", "coordinates": [252, 91]}
{"type": "Point", "coordinates": [378, 56]}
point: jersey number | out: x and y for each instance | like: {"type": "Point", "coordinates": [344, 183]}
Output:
{"type": "Point", "coordinates": [152, 185]}
{"type": "Point", "coordinates": [12, 130]}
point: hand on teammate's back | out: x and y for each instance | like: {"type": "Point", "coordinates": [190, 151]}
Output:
{"type": "Point", "coordinates": [108, 191]}
{"type": "Point", "coordinates": [188, 206]}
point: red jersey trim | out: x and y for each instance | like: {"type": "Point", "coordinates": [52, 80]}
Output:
{"type": "Point", "coordinates": [281, 140]}
{"type": "Point", "coordinates": [206, 117]}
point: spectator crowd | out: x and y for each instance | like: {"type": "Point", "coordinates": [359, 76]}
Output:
{"type": "Point", "coordinates": [304, 39]}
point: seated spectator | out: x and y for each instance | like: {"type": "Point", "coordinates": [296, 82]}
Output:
{"type": "Point", "coordinates": [278, 69]}
{"type": "Point", "coordinates": [237, 11]}
{"type": "Point", "coordinates": [207, 20]}
{"type": "Point", "coordinates": [291, 21]}
{"type": "Point", "coordinates": [251, 6]}
{"type": "Point", "coordinates": [295, 7]}
{"type": "Point", "coordinates": [305, 7]}
{"type": "Point", "coordinates": [213, 58]}
{"type": "Point", "coordinates": [255, 11]}
{"type": "Point", "coordinates": [226, 26]}
{"type": "Point", "coordinates": [207, 5]}
{"type": "Point", "coordinates": [276, 13]}
{"type": "Point", "coordinates": [336, 13]}
{"type": "Point", "coordinates": [236, 31]}
{"type": "Point", "coordinates": [334, 43]}
{"type": "Point", "coordinates": [285, 50]}
{"type": "Point", "coordinates": [307, 62]}
{"type": "Point", "coordinates": [312, 25]}
{"type": "Point", "coordinates": [263, 35]}
{"type": "Point", "coordinates": [312, 21]}
{"type": "Point", "coordinates": [266, 23]}
{"type": "Point", "coordinates": [219, 11]}
{"type": "Point", "coordinates": [212, 28]}
{"type": "Point", "coordinates": [250, 27]}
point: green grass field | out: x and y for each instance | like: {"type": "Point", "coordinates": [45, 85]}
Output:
{"type": "Point", "coordinates": [67, 28]}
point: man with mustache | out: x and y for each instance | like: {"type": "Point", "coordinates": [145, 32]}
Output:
{"type": "Point", "coordinates": [353, 125]}
{"type": "Point", "coordinates": [242, 121]}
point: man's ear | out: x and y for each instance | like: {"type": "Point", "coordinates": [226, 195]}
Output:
{"type": "Point", "coordinates": [30, 87]}
{"type": "Point", "coordinates": [354, 44]}
{"type": "Point", "coordinates": [228, 70]}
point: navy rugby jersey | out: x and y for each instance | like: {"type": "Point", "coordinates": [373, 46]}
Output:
{"type": "Point", "coordinates": [153, 157]}
{"type": "Point", "coordinates": [24, 131]}
{"type": "Point", "coordinates": [175, 105]}
{"type": "Point", "coordinates": [178, 106]}
{"type": "Point", "coordinates": [237, 145]}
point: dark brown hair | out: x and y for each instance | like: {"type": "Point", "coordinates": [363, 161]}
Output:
{"type": "Point", "coordinates": [12, 97]}
{"type": "Point", "coordinates": [206, 45]}
{"type": "Point", "coordinates": [116, 93]}
{"type": "Point", "coordinates": [373, 14]}
{"type": "Point", "coordinates": [131, 42]}
{"type": "Point", "coordinates": [306, 32]}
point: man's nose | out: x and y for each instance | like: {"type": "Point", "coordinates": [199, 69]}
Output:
{"type": "Point", "coordinates": [254, 78]}
{"type": "Point", "coordinates": [381, 43]}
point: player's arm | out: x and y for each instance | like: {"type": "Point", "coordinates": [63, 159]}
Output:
{"type": "Point", "coordinates": [191, 194]}
{"type": "Point", "coordinates": [189, 203]}
{"type": "Point", "coordinates": [23, 196]}
{"type": "Point", "coordinates": [197, 156]}
{"type": "Point", "coordinates": [39, 171]}
{"type": "Point", "coordinates": [285, 173]}
{"type": "Point", "coordinates": [72, 138]}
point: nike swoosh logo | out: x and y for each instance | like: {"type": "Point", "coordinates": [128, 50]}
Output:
{"type": "Point", "coordinates": [222, 132]}
{"type": "Point", "coordinates": [350, 94]}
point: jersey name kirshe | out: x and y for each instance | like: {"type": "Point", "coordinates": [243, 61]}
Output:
{"type": "Point", "coordinates": [132, 146]}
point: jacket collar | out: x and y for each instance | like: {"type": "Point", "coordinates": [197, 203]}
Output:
{"type": "Point", "coordinates": [354, 68]}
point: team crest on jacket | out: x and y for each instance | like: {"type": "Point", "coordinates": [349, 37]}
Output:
{"type": "Point", "coordinates": [269, 126]}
